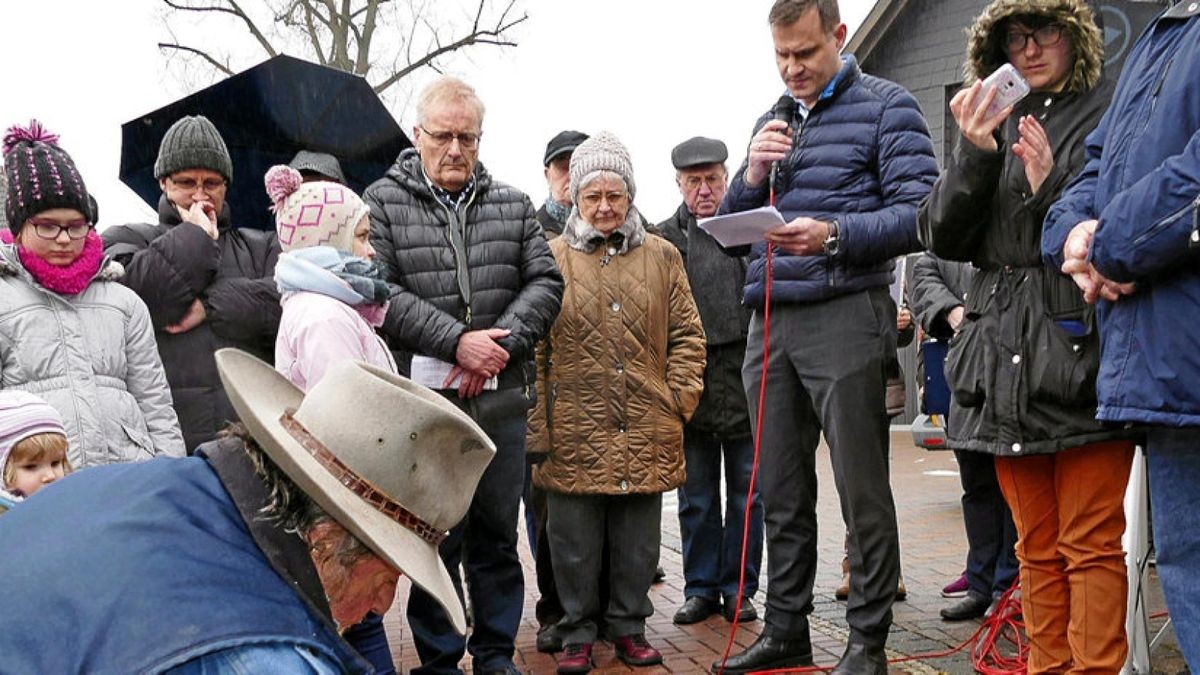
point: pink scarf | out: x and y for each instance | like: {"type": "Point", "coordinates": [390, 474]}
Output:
{"type": "Point", "coordinates": [72, 278]}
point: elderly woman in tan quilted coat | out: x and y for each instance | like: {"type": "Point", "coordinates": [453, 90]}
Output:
{"type": "Point", "coordinates": [621, 371]}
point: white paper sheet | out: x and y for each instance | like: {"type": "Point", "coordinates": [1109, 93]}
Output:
{"type": "Point", "coordinates": [430, 372]}
{"type": "Point", "coordinates": [747, 227]}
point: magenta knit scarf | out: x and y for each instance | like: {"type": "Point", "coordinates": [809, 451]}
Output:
{"type": "Point", "coordinates": [72, 278]}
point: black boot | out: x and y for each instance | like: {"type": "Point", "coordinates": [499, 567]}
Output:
{"type": "Point", "coordinates": [861, 659]}
{"type": "Point", "coordinates": [768, 653]}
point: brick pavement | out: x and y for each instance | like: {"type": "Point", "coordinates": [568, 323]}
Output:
{"type": "Point", "coordinates": [932, 547]}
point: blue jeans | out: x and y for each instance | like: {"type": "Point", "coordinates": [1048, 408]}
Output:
{"type": "Point", "coordinates": [1173, 456]}
{"type": "Point", "coordinates": [262, 657]}
{"type": "Point", "coordinates": [712, 551]}
{"type": "Point", "coordinates": [991, 534]}
{"type": "Point", "coordinates": [485, 545]}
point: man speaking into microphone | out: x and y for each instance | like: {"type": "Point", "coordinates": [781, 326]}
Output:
{"type": "Point", "coordinates": [854, 162]}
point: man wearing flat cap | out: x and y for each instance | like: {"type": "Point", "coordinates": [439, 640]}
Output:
{"type": "Point", "coordinates": [720, 429]}
{"type": "Point", "coordinates": [255, 553]}
{"type": "Point", "coordinates": [557, 160]}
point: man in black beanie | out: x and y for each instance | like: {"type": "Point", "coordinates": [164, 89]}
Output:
{"type": "Point", "coordinates": [207, 283]}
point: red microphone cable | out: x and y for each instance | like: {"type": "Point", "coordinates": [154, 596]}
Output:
{"type": "Point", "coordinates": [1005, 621]}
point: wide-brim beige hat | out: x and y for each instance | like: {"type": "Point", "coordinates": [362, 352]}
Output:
{"type": "Point", "coordinates": [391, 461]}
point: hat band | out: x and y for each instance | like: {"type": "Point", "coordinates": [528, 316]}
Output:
{"type": "Point", "coordinates": [357, 484]}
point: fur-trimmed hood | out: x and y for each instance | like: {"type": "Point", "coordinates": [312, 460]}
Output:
{"type": "Point", "coordinates": [985, 49]}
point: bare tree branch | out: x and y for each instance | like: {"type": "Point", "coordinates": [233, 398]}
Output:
{"type": "Point", "coordinates": [363, 60]}
{"type": "Point", "coordinates": [358, 36]}
{"type": "Point", "coordinates": [491, 36]}
{"type": "Point", "coordinates": [253, 28]}
{"type": "Point", "coordinates": [198, 52]}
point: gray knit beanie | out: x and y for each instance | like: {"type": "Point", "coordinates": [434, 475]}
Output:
{"type": "Point", "coordinates": [193, 143]}
{"type": "Point", "coordinates": [602, 152]}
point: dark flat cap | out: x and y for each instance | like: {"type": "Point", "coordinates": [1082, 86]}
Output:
{"type": "Point", "coordinates": [318, 162]}
{"type": "Point", "coordinates": [563, 141]}
{"type": "Point", "coordinates": [697, 151]}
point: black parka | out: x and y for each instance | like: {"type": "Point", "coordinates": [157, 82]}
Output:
{"type": "Point", "coordinates": [1022, 368]}
{"type": "Point", "coordinates": [485, 266]}
{"type": "Point", "coordinates": [171, 264]}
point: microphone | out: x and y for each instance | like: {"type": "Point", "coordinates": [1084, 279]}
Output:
{"type": "Point", "coordinates": [785, 109]}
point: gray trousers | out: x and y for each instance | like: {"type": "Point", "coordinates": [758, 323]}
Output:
{"type": "Point", "coordinates": [578, 526]}
{"type": "Point", "coordinates": [826, 373]}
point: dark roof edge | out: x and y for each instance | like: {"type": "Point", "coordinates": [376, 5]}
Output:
{"type": "Point", "coordinates": [874, 27]}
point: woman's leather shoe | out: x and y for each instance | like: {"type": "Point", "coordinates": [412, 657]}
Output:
{"type": "Point", "coordinates": [768, 653]}
{"type": "Point", "coordinates": [576, 659]}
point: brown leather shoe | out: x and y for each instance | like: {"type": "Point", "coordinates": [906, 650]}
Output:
{"type": "Point", "coordinates": [843, 590]}
{"type": "Point", "coordinates": [576, 659]}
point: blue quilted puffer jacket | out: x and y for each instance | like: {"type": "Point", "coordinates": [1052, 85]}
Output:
{"type": "Point", "coordinates": [1142, 182]}
{"type": "Point", "coordinates": [864, 157]}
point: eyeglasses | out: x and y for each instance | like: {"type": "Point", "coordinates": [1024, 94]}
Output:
{"type": "Point", "coordinates": [50, 229]}
{"type": "Point", "coordinates": [466, 141]}
{"type": "Point", "coordinates": [209, 185]}
{"type": "Point", "coordinates": [693, 182]}
{"type": "Point", "coordinates": [1046, 36]}
{"type": "Point", "coordinates": [594, 198]}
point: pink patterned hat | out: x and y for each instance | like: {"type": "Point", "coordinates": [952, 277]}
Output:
{"type": "Point", "coordinates": [313, 214]}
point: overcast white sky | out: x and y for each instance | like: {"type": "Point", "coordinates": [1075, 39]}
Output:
{"type": "Point", "coordinates": [654, 72]}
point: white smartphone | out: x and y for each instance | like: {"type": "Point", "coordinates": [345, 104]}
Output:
{"type": "Point", "coordinates": [1010, 88]}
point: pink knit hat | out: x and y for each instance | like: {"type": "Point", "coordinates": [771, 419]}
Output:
{"type": "Point", "coordinates": [312, 214]}
{"type": "Point", "coordinates": [23, 415]}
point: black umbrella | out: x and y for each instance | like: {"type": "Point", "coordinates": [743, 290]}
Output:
{"type": "Point", "coordinates": [266, 114]}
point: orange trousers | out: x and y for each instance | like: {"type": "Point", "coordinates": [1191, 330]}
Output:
{"type": "Point", "coordinates": [1069, 511]}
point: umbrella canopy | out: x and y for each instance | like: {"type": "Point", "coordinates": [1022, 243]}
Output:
{"type": "Point", "coordinates": [266, 114]}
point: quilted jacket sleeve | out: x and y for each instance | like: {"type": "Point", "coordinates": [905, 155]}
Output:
{"type": "Point", "coordinates": [931, 297]}
{"type": "Point", "coordinates": [412, 323]}
{"type": "Point", "coordinates": [168, 272]}
{"type": "Point", "coordinates": [907, 168]}
{"type": "Point", "coordinates": [537, 436]}
{"type": "Point", "coordinates": [685, 340]}
{"type": "Point", "coordinates": [246, 308]}
{"type": "Point", "coordinates": [530, 315]}
{"type": "Point", "coordinates": [147, 382]}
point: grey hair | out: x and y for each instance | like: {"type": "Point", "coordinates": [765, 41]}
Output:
{"type": "Point", "coordinates": [602, 173]}
{"type": "Point", "coordinates": [288, 507]}
{"type": "Point", "coordinates": [447, 90]}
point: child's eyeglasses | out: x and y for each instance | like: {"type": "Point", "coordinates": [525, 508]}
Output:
{"type": "Point", "coordinates": [50, 229]}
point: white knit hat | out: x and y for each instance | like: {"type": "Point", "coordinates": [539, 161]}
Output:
{"type": "Point", "coordinates": [313, 214]}
{"type": "Point", "coordinates": [602, 152]}
{"type": "Point", "coordinates": [23, 415]}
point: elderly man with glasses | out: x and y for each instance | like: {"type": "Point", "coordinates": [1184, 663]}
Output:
{"type": "Point", "coordinates": [720, 429]}
{"type": "Point", "coordinates": [474, 287]}
{"type": "Point", "coordinates": [207, 283]}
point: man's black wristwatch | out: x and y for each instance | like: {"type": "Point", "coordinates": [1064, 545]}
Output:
{"type": "Point", "coordinates": [831, 245]}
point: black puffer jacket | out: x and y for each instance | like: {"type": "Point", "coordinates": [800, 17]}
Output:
{"type": "Point", "coordinates": [1022, 369]}
{"type": "Point", "coordinates": [171, 264]}
{"type": "Point", "coordinates": [486, 266]}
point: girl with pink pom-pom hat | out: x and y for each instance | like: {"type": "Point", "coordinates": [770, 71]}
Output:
{"type": "Point", "coordinates": [334, 297]}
